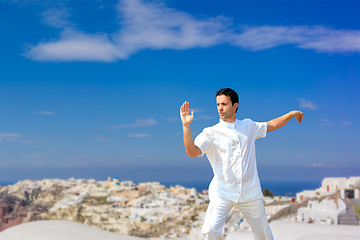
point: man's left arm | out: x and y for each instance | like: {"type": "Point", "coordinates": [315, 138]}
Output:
{"type": "Point", "coordinates": [284, 119]}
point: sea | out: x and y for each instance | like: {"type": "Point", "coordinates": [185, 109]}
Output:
{"type": "Point", "coordinates": [278, 188]}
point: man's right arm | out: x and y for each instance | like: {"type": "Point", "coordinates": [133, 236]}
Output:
{"type": "Point", "coordinates": [191, 149]}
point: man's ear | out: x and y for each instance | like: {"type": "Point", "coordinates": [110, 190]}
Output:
{"type": "Point", "coordinates": [236, 106]}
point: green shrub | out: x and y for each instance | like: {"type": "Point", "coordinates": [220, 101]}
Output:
{"type": "Point", "coordinates": [267, 193]}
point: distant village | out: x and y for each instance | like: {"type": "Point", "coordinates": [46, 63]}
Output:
{"type": "Point", "coordinates": [337, 201]}
{"type": "Point", "coordinates": [151, 210]}
{"type": "Point", "coordinates": [145, 209]}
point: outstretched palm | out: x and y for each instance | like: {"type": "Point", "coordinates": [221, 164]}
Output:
{"type": "Point", "coordinates": [186, 118]}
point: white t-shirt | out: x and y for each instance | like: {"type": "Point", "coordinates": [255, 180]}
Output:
{"type": "Point", "coordinates": [230, 148]}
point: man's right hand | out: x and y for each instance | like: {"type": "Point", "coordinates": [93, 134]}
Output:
{"type": "Point", "coordinates": [191, 149]}
{"type": "Point", "coordinates": [186, 118]}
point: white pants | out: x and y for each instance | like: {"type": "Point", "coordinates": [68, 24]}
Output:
{"type": "Point", "coordinates": [253, 211]}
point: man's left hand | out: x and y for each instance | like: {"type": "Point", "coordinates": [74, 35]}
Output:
{"type": "Point", "coordinates": [298, 115]}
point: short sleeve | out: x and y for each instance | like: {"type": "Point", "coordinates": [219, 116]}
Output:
{"type": "Point", "coordinates": [203, 141]}
{"type": "Point", "coordinates": [260, 129]}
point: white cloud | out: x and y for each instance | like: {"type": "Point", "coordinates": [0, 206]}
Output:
{"type": "Point", "coordinates": [171, 119]}
{"type": "Point", "coordinates": [316, 38]}
{"type": "Point", "coordinates": [148, 122]}
{"type": "Point", "coordinates": [13, 137]}
{"type": "Point", "coordinates": [307, 104]}
{"type": "Point", "coordinates": [322, 39]}
{"type": "Point", "coordinates": [346, 123]}
{"type": "Point", "coordinates": [139, 135]}
{"type": "Point", "coordinates": [102, 139]}
{"type": "Point", "coordinates": [152, 25]}
{"type": "Point", "coordinates": [260, 38]}
{"type": "Point", "coordinates": [315, 165]}
{"type": "Point", "coordinates": [326, 122]}
{"type": "Point", "coordinates": [197, 110]}
{"type": "Point", "coordinates": [322, 165]}
{"type": "Point", "coordinates": [56, 17]}
{"type": "Point", "coordinates": [76, 46]}
{"type": "Point", "coordinates": [9, 137]}
{"type": "Point", "coordinates": [45, 113]}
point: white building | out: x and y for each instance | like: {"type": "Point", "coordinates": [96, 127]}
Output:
{"type": "Point", "coordinates": [324, 211]}
{"type": "Point", "coordinates": [328, 187]}
{"type": "Point", "coordinates": [354, 182]}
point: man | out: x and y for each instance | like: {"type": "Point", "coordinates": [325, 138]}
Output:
{"type": "Point", "coordinates": [230, 148]}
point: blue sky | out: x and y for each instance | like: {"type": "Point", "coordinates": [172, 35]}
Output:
{"type": "Point", "coordinates": [93, 88]}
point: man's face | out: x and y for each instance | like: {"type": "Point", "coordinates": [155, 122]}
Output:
{"type": "Point", "coordinates": [225, 108]}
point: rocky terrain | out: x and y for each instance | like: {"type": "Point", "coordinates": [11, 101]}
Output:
{"type": "Point", "coordinates": [146, 210]}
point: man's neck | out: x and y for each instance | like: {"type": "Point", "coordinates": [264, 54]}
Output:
{"type": "Point", "coordinates": [232, 120]}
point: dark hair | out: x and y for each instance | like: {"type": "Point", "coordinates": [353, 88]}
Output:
{"type": "Point", "coordinates": [230, 93]}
